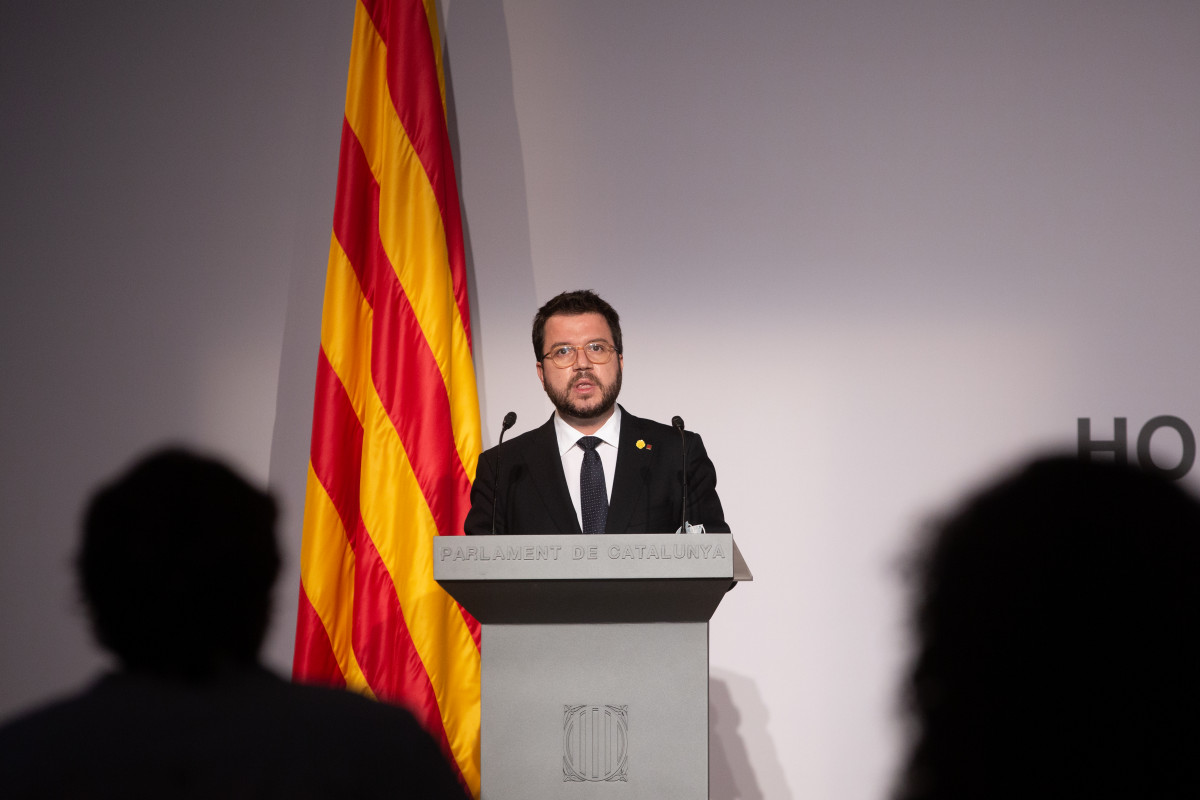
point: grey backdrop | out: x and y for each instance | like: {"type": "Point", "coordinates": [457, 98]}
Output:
{"type": "Point", "coordinates": [872, 251]}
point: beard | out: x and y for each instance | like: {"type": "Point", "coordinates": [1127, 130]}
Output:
{"type": "Point", "coordinates": [567, 408]}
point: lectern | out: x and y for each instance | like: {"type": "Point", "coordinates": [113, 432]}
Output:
{"type": "Point", "coordinates": [594, 671]}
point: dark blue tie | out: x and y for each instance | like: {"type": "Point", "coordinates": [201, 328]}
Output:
{"type": "Point", "coordinates": [593, 494]}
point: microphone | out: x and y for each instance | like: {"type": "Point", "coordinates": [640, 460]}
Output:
{"type": "Point", "coordinates": [510, 419]}
{"type": "Point", "coordinates": [678, 423]}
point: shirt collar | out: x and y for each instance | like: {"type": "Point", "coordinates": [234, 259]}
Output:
{"type": "Point", "coordinates": [609, 433]}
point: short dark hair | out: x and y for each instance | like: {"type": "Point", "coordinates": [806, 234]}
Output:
{"type": "Point", "coordinates": [1055, 616]}
{"type": "Point", "coordinates": [581, 301]}
{"type": "Point", "coordinates": [177, 563]}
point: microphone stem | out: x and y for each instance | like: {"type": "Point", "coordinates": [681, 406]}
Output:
{"type": "Point", "coordinates": [510, 419]}
{"type": "Point", "coordinates": [683, 523]}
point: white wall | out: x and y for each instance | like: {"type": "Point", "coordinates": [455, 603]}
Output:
{"type": "Point", "coordinates": [168, 172]}
{"type": "Point", "coordinates": [872, 251]}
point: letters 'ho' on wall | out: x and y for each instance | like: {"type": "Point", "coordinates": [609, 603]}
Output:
{"type": "Point", "coordinates": [1118, 445]}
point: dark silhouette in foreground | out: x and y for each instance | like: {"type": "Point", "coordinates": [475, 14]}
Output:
{"type": "Point", "coordinates": [176, 566]}
{"type": "Point", "coordinates": [1056, 619]}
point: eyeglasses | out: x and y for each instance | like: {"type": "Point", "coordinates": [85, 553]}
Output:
{"type": "Point", "coordinates": [564, 356]}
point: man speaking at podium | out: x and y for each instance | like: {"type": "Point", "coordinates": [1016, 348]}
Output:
{"type": "Point", "coordinates": [592, 467]}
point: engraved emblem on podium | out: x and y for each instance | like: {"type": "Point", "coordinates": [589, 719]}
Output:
{"type": "Point", "coordinates": [595, 743]}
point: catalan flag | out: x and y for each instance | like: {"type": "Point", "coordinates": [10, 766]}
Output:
{"type": "Point", "coordinates": [396, 418]}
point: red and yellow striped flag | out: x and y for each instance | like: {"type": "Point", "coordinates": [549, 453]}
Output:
{"type": "Point", "coordinates": [396, 420]}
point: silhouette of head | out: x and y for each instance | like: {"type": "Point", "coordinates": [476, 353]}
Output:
{"type": "Point", "coordinates": [1056, 619]}
{"type": "Point", "coordinates": [177, 563]}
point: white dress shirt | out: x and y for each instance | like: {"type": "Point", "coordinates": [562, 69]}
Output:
{"type": "Point", "coordinates": [572, 454]}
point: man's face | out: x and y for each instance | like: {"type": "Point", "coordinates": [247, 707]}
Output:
{"type": "Point", "coordinates": [584, 393]}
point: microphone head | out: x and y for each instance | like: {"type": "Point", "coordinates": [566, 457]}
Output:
{"type": "Point", "coordinates": [510, 419]}
{"type": "Point", "coordinates": [677, 422]}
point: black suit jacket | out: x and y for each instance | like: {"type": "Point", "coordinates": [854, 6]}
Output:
{"type": "Point", "coordinates": [647, 492]}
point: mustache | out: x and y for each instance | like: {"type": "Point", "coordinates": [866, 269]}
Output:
{"type": "Point", "coordinates": [586, 376]}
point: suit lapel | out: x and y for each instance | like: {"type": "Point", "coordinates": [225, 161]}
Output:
{"type": "Point", "coordinates": [629, 483]}
{"type": "Point", "coordinates": [545, 468]}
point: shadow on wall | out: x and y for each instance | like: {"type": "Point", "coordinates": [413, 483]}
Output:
{"type": "Point", "coordinates": [734, 730]}
{"type": "Point", "coordinates": [491, 175]}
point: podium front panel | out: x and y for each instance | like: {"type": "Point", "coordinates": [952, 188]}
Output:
{"type": "Point", "coordinates": [594, 663]}
{"type": "Point", "coordinates": [595, 711]}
